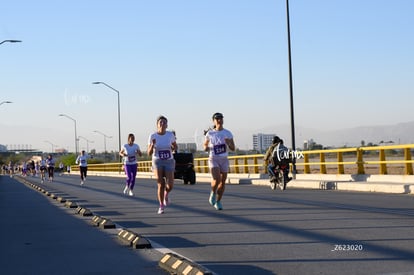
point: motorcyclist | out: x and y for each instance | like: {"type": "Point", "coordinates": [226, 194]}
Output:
{"type": "Point", "coordinates": [268, 158]}
{"type": "Point", "coordinates": [281, 157]}
{"type": "Point", "coordinates": [277, 155]}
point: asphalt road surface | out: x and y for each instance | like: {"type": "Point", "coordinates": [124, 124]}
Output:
{"type": "Point", "coordinates": [260, 231]}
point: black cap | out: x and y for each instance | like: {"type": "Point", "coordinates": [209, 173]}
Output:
{"type": "Point", "coordinates": [217, 115]}
{"type": "Point", "coordinates": [276, 139]}
{"type": "Point", "coordinates": [161, 117]}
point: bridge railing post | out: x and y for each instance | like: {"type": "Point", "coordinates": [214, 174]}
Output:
{"type": "Point", "coordinates": [383, 166]}
{"type": "Point", "coordinates": [340, 163]}
{"type": "Point", "coordinates": [360, 161]}
{"type": "Point", "coordinates": [408, 165]}
{"type": "Point", "coordinates": [322, 161]}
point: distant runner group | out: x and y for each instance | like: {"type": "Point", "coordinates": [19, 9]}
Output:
{"type": "Point", "coordinates": [161, 147]}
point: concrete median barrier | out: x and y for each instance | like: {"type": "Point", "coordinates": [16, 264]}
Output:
{"type": "Point", "coordinates": [70, 204]}
{"type": "Point", "coordinates": [61, 199]}
{"type": "Point", "coordinates": [133, 239]}
{"type": "Point", "coordinates": [102, 222]}
{"type": "Point", "coordinates": [179, 265]}
{"type": "Point", "coordinates": [83, 211]}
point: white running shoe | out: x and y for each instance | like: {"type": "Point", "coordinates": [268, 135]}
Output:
{"type": "Point", "coordinates": [161, 209]}
{"type": "Point", "coordinates": [167, 201]}
{"type": "Point", "coordinates": [130, 192]}
{"type": "Point", "coordinates": [126, 189]}
{"type": "Point", "coordinates": [81, 182]}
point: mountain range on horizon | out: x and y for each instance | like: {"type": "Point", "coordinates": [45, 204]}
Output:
{"type": "Point", "coordinates": [399, 133]}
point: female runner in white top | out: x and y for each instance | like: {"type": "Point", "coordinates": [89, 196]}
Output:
{"type": "Point", "coordinates": [217, 141]}
{"type": "Point", "coordinates": [129, 152]}
{"type": "Point", "coordinates": [82, 161]}
{"type": "Point", "coordinates": [161, 146]}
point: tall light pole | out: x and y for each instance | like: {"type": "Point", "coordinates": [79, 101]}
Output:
{"type": "Point", "coordinates": [10, 41]}
{"type": "Point", "coordinates": [105, 136]}
{"type": "Point", "coordinates": [292, 120]}
{"type": "Point", "coordinates": [53, 145]}
{"type": "Point", "coordinates": [87, 143]}
{"type": "Point", "coordinates": [119, 114]}
{"type": "Point", "coordinates": [76, 135]}
{"type": "Point", "coordinates": [4, 102]}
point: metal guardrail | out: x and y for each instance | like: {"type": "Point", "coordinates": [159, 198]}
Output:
{"type": "Point", "coordinates": [360, 158]}
{"type": "Point", "coordinates": [356, 159]}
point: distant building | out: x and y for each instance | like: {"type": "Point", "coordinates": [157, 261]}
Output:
{"type": "Point", "coordinates": [3, 148]}
{"type": "Point", "coordinates": [308, 144]}
{"type": "Point", "coordinates": [262, 141]}
{"type": "Point", "coordinates": [17, 149]}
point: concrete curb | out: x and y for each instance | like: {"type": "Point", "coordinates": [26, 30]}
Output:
{"type": "Point", "coordinates": [359, 186]}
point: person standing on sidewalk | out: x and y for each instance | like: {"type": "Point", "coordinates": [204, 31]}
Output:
{"type": "Point", "coordinates": [129, 153]}
{"type": "Point", "coordinates": [217, 142]}
{"type": "Point", "coordinates": [82, 161]}
{"type": "Point", "coordinates": [161, 145]}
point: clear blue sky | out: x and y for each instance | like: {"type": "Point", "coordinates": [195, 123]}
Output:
{"type": "Point", "coordinates": [353, 65]}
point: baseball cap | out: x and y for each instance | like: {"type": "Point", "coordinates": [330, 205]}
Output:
{"type": "Point", "coordinates": [217, 115]}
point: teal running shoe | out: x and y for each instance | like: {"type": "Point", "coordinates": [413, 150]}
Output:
{"type": "Point", "coordinates": [218, 205]}
{"type": "Point", "coordinates": [212, 198]}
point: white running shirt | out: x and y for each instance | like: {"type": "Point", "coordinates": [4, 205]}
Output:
{"type": "Point", "coordinates": [217, 142]}
{"type": "Point", "coordinates": [163, 145]}
{"type": "Point", "coordinates": [82, 160]}
{"type": "Point", "coordinates": [131, 150]}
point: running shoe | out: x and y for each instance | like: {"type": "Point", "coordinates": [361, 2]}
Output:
{"type": "Point", "coordinates": [126, 189]}
{"type": "Point", "coordinates": [81, 182]}
{"type": "Point", "coordinates": [161, 209]}
{"type": "Point", "coordinates": [130, 192]}
{"type": "Point", "coordinates": [166, 199]}
{"type": "Point", "coordinates": [218, 205]}
{"type": "Point", "coordinates": [212, 199]}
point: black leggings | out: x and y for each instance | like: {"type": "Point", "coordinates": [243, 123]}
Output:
{"type": "Point", "coordinates": [83, 171]}
{"type": "Point", "coordinates": [50, 171]}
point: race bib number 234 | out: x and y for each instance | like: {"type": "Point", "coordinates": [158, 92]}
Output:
{"type": "Point", "coordinates": [219, 149]}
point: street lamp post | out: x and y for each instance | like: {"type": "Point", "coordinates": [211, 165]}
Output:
{"type": "Point", "coordinates": [87, 143]}
{"type": "Point", "coordinates": [76, 135]}
{"type": "Point", "coordinates": [10, 41]}
{"type": "Point", "coordinates": [119, 114]}
{"type": "Point", "coordinates": [105, 136]}
{"type": "Point", "coordinates": [292, 121]}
